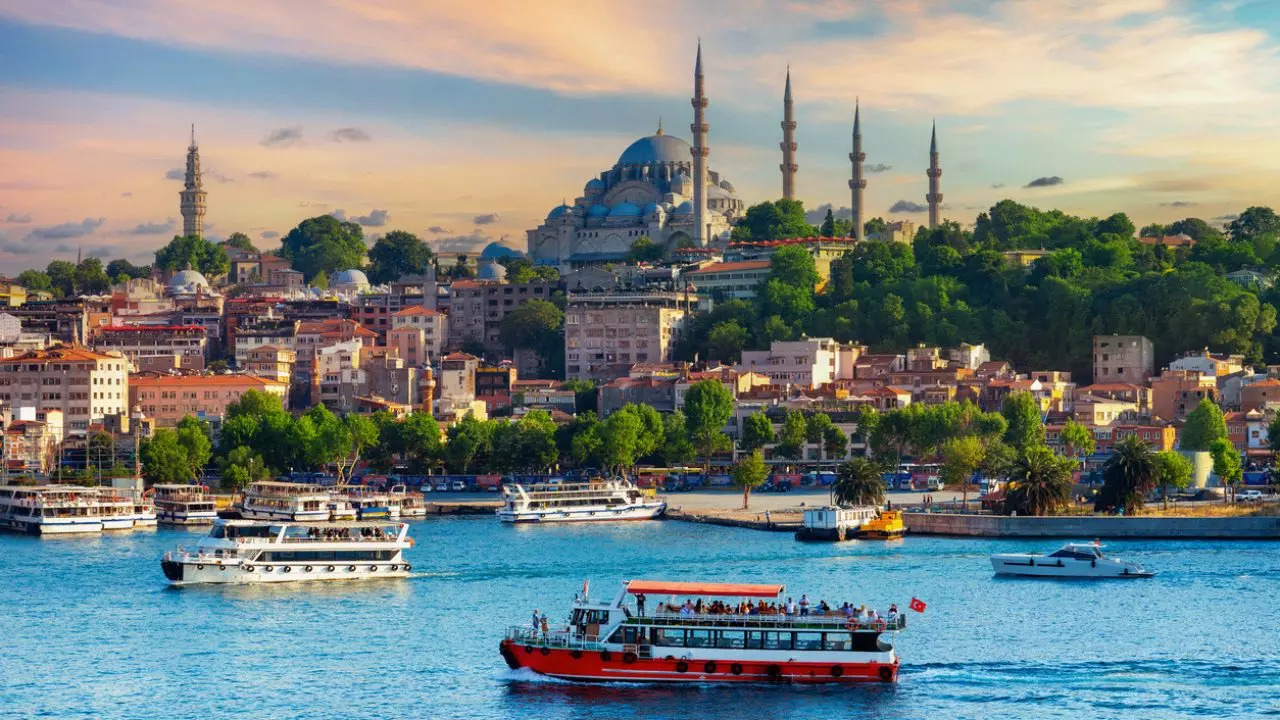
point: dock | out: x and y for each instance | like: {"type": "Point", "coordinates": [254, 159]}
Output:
{"type": "Point", "coordinates": [772, 520]}
{"type": "Point", "coordinates": [462, 507]}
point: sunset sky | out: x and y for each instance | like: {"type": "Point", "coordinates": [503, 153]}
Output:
{"type": "Point", "coordinates": [460, 121]}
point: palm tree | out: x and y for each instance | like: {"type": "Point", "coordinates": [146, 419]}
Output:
{"type": "Point", "coordinates": [858, 482]}
{"type": "Point", "coordinates": [1130, 473]}
{"type": "Point", "coordinates": [1039, 482]}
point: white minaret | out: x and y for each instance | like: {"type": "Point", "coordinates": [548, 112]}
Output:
{"type": "Point", "coordinates": [934, 172]}
{"type": "Point", "coordinates": [856, 182]}
{"type": "Point", "coordinates": [193, 194]}
{"type": "Point", "coordinates": [700, 153]}
{"type": "Point", "coordinates": [788, 145]}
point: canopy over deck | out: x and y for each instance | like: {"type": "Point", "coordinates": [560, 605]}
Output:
{"type": "Point", "coordinates": [662, 587]}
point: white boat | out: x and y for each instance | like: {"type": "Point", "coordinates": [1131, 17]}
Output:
{"type": "Point", "coordinates": [50, 509]}
{"type": "Point", "coordinates": [116, 510]}
{"type": "Point", "coordinates": [294, 502]}
{"type": "Point", "coordinates": [184, 505]}
{"type": "Point", "coordinates": [597, 500]}
{"type": "Point", "coordinates": [412, 504]}
{"type": "Point", "coordinates": [248, 551]}
{"type": "Point", "coordinates": [371, 504]}
{"type": "Point", "coordinates": [1073, 560]}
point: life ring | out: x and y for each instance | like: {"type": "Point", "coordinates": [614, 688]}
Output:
{"type": "Point", "coordinates": [351, 568]}
{"type": "Point", "coordinates": [576, 654]}
{"type": "Point", "coordinates": [545, 651]}
{"type": "Point", "coordinates": [408, 567]}
{"type": "Point", "coordinates": [837, 670]}
{"type": "Point", "coordinates": [330, 568]}
{"type": "Point", "coordinates": [880, 624]}
{"type": "Point", "coordinates": [851, 624]}
{"type": "Point", "coordinates": [736, 668]}
{"type": "Point", "coordinates": [222, 568]}
{"type": "Point", "coordinates": [710, 667]}
{"type": "Point", "coordinates": [248, 568]}
{"type": "Point", "coordinates": [774, 672]}
{"type": "Point", "coordinates": [629, 657]}
{"type": "Point", "coordinates": [528, 649]}
{"type": "Point", "coordinates": [886, 673]}
{"type": "Point", "coordinates": [199, 567]}
{"type": "Point", "coordinates": [286, 568]}
{"type": "Point", "coordinates": [606, 656]}
{"type": "Point", "coordinates": [267, 568]}
{"type": "Point", "coordinates": [373, 568]}
{"type": "Point", "coordinates": [392, 568]}
{"type": "Point", "coordinates": [307, 569]}
{"type": "Point", "coordinates": [682, 666]}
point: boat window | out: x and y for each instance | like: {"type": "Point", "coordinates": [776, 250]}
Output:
{"type": "Point", "coordinates": [755, 640]}
{"type": "Point", "coordinates": [597, 617]}
{"type": "Point", "coordinates": [699, 638]}
{"type": "Point", "coordinates": [219, 531]}
{"type": "Point", "coordinates": [731, 639]}
{"type": "Point", "coordinates": [777, 641]}
{"type": "Point", "coordinates": [835, 641]}
{"type": "Point", "coordinates": [808, 641]}
{"type": "Point", "coordinates": [670, 637]}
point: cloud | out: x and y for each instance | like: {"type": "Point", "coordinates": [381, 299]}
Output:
{"type": "Point", "coordinates": [996, 186]}
{"type": "Point", "coordinates": [340, 214]}
{"type": "Point", "coordinates": [1222, 219]}
{"type": "Point", "coordinates": [101, 251]}
{"type": "Point", "coordinates": [163, 228]}
{"type": "Point", "coordinates": [349, 134]}
{"type": "Point", "coordinates": [269, 235]}
{"type": "Point", "coordinates": [126, 194]}
{"type": "Point", "coordinates": [486, 219]}
{"type": "Point", "coordinates": [375, 218]}
{"type": "Point", "coordinates": [175, 174]}
{"type": "Point", "coordinates": [264, 175]}
{"type": "Point", "coordinates": [1179, 203]}
{"type": "Point", "coordinates": [877, 168]}
{"type": "Point", "coordinates": [16, 248]}
{"type": "Point", "coordinates": [66, 230]}
{"type": "Point", "coordinates": [819, 213]}
{"type": "Point", "coordinates": [19, 218]}
{"type": "Point", "coordinates": [283, 137]}
{"type": "Point", "coordinates": [216, 176]}
{"type": "Point", "coordinates": [461, 243]}
{"type": "Point", "coordinates": [1045, 182]}
{"type": "Point", "coordinates": [437, 230]}
{"type": "Point", "coordinates": [906, 206]}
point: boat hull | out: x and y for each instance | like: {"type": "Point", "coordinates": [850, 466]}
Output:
{"type": "Point", "coordinates": [648, 511]}
{"type": "Point", "coordinates": [232, 572]}
{"type": "Point", "coordinates": [54, 526]}
{"type": "Point", "coordinates": [185, 518]}
{"type": "Point", "coordinates": [612, 666]}
{"type": "Point", "coordinates": [1044, 567]}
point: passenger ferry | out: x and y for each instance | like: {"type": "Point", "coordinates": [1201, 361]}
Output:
{"type": "Point", "coordinates": [598, 499]}
{"type": "Point", "coordinates": [184, 505]}
{"type": "Point", "coordinates": [636, 637]}
{"type": "Point", "coordinates": [67, 509]}
{"type": "Point", "coordinates": [371, 504]}
{"type": "Point", "coordinates": [296, 502]}
{"type": "Point", "coordinates": [248, 551]}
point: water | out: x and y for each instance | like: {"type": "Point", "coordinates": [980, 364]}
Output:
{"type": "Point", "coordinates": [92, 630]}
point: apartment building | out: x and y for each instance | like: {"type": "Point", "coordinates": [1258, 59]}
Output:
{"type": "Point", "coordinates": [167, 399]}
{"type": "Point", "coordinates": [477, 308]}
{"type": "Point", "coordinates": [808, 363]}
{"type": "Point", "coordinates": [1123, 359]}
{"type": "Point", "coordinates": [606, 332]}
{"type": "Point", "coordinates": [85, 386]}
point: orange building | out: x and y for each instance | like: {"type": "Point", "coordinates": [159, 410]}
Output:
{"type": "Point", "coordinates": [169, 398]}
{"type": "Point", "coordinates": [1177, 392]}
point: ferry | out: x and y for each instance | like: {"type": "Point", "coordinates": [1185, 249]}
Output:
{"type": "Point", "coordinates": [117, 511]}
{"type": "Point", "coordinates": [249, 551]}
{"type": "Point", "coordinates": [184, 504]}
{"type": "Point", "coordinates": [371, 504]}
{"type": "Point", "coordinates": [295, 502]}
{"type": "Point", "coordinates": [739, 637]}
{"type": "Point", "coordinates": [596, 500]}
{"type": "Point", "coordinates": [50, 509]}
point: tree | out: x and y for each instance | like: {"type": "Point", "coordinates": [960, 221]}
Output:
{"type": "Point", "coordinates": [324, 244]}
{"type": "Point", "coordinates": [417, 439]}
{"type": "Point", "coordinates": [101, 451]}
{"type": "Point", "coordinates": [725, 342]}
{"type": "Point", "coordinates": [35, 280]}
{"type": "Point", "coordinates": [828, 227]}
{"type": "Point", "coordinates": [90, 277]}
{"type": "Point", "coordinates": [164, 459]}
{"type": "Point", "coordinates": [835, 444]}
{"type": "Point", "coordinates": [961, 457]}
{"type": "Point", "coordinates": [1227, 465]}
{"type": "Point", "coordinates": [1077, 439]}
{"type": "Point", "coordinates": [620, 436]}
{"type": "Point", "coordinates": [537, 433]}
{"type": "Point", "coordinates": [62, 276]}
{"type": "Point", "coordinates": [584, 439]}
{"type": "Point", "coordinates": [1022, 412]}
{"type": "Point", "coordinates": [242, 466]}
{"type": "Point", "coordinates": [1253, 222]}
{"type": "Point", "coordinates": [708, 405]}
{"type": "Point", "coordinates": [468, 438]}
{"type": "Point", "coordinates": [192, 252]}
{"type": "Point", "coordinates": [792, 436]}
{"type": "Point", "coordinates": [757, 431]}
{"type": "Point", "coordinates": [793, 265]}
{"type": "Point", "coordinates": [535, 324]}
{"type": "Point", "coordinates": [1129, 475]}
{"type": "Point", "coordinates": [350, 437]}
{"type": "Point", "coordinates": [748, 473]}
{"type": "Point", "coordinates": [1204, 425]}
{"type": "Point", "coordinates": [239, 241]}
{"type": "Point", "coordinates": [195, 438]}
{"type": "Point", "coordinates": [1039, 482]}
{"type": "Point", "coordinates": [1172, 471]}
{"type": "Point", "coordinates": [644, 250]}
{"type": "Point", "coordinates": [320, 280]}
{"type": "Point", "coordinates": [396, 254]}
{"type": "Point", "coordinates": [676, 449]}
{"type": "Point", "coordinates": [773, 221]}
{"type": "Point", "coordinates": [859, 481]}
{"type": "Point", "coordinates": [1273, 437]}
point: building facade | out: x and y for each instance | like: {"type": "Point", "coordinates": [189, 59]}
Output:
{"type": "Point", "coordinates": [1123, 359]}
{"type": "Point", "coordinates": [605, 333]}
{"type": "Point", "coordinates": [85, 386]}
{"type": "Point", "coordinates": [168, 398]}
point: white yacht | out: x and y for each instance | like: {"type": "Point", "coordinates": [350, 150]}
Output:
{"type": "Point", "coordinates": [50, 509]}
{"type": "Point", "coordinates": [577, 502]}
{"type": "Point", "coordinates": [412, 504]}
{"type": "Point", "coordinates": [248, 551]}
{"type": "Point", "coordinates": [1073, 560]}
{"type": "Point", "coordinates": [295, 502]}
{"type": "Point", "coordinates": [184, 505]}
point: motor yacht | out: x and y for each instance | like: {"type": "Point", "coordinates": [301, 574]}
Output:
{"type": "Point", "coordinates": [1073, 560]}
{"type": "Point", "coordinates": [597, 500]}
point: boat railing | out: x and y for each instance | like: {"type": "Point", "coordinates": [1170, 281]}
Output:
{"type": "Point", "coordinates": [830, 621]}
{"type": "Point", "coordinates": [525, 635]}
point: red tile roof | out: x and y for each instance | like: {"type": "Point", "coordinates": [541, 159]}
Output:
{"type": "Point", "coordinates": [416, 310]}
{"type": "Point", "coordinates": [732, 267]}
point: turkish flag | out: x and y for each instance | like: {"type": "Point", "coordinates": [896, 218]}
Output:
{"type": "Point", "coordinates": [918, 605]}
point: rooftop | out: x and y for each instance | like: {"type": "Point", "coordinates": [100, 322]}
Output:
{"type": "Point", "coordinates": [741, 266]}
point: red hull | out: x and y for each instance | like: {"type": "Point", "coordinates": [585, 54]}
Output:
{"type": "Point", "coordinates": [593, 666]}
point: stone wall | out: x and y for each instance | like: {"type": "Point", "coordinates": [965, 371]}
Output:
{"type": "Point", "coordinates": [1089, 527]}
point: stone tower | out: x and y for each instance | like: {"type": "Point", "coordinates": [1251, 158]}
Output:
{"type": "Point", "coordinates": [193, 194]}
{"type": "Point", "coordinates": [856, 182]}
{"type": "Point", "coordinates": [788, 145]}
{"type": "Point", "coordinates": [700, 153]}
{"type": "Point", "coordinates": [934, 172]}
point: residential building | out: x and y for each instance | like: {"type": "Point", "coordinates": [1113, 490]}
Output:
{"type": "Point", "coordinates": [136, 342]}
{"type": "Point", "coordinates": [1157, 437]}
{"type": "Point", "coordinates": [493, 385]}
{"type": "Point", "coordinates": [457, 388]}
{"type": "Point", "coordinates": [1138, 395]}
{"type": "Point", "coordinates": [1212, 364]}
{"type": "Point", "coordinates": [477, 308]}
{"type": "Point", "coordinates": [658, 392]}
{"type": "Point", "coordinates": [276, 333]}
{"type": "Point", "coordinates": [10, 329]}
{"type": "Point", "coordinates": [167, 399]}
{"type": "Point", "coordinates": [808, 363]}
{"type": "Point", "coordinates": [1123, 359]}
{"type": "Point", "coordinates": [12, 294]}
{"type": "Point", "coordinates": [606, 332]}
{"type": "Point", "coordinates": [338, 379]}
{"type": "Point", "coordinates": [1261, 395]}
{"type": "Point", "coordinates": [543, 393]}
{"type": "Point", "coordinates": [430, 341]}
{"type": "Point", "coordinates": [722, 281]}
{"type": "Point", "coordinates": [1101, 411]}
{"type": "Point", "coordinates": [83, 385]}
{"type": "Point", "coordinates": [271, 362]}
{"type": "Point", "coordinates": [391, 378]}
{"type": "Point", "coordinates": [31, 445]}
{"type": "Point", "coordinates": [824, 251]}
{"type": "Point", "coordinates": [969, 356]}
{"type": "Point", "coordinates": [1177, 392]}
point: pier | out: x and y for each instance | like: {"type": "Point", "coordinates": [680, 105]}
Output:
{"type": "Point", "coordinates": [1094, 526]}
{"type": "Point", "coordinates": [770, 520]}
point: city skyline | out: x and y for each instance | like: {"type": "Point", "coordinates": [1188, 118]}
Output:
{"type": "Point", "coordinates": [1158, 109]}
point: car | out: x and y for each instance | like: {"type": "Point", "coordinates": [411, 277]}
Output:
{"type": "Point", "coordinates": [1249, 496]}
{"type": "Point", "coordinates": [442, 486]}
{"type": "Point", "coordinates": [426, 487]}
{"type": "Point", "coordinates": [459, 486]}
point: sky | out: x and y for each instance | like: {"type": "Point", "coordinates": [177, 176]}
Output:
{"type": "Point", "coordinates": [465, 123]}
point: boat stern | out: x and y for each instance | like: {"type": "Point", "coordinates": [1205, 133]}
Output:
{"type": "Point", "coordinates": [172, 569]}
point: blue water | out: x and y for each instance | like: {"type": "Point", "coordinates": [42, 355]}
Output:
{"type": "Point", "coordinates": [90, 629]}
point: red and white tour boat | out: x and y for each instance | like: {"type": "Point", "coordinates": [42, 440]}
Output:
{"type": "Point", "coordinates": [742, 636]}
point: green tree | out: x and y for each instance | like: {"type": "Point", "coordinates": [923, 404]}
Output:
{"type": "Point", "coordinates": [961, 457]}
{"type": "Point", "coordinates": [192, 252]}
{"type": "Point", "coordinates": [396, 254]}
{"type": "Point", "coordinates": [1129, 475]}
{"type": "Point", "coordinates": [324, 244]}
{"type": "Point", "coordinates": [417, 439]}
{"type": "Point", "coordinates": [828, 227]}
{"type": "Point", "coordinates": [119, 267]}
{"type": "Point", "coordinates": [835, 444]}
{"type": "Point", "coordinates": [239, 241]}
{"type": "Point", "coordinates": [583, 439]}
{"type": "Point", "coordinates": [676, 449]}
{"type": "Point", "coordinates": [620, 436]}
{"type": "Point", "coordinates": [773, 221]}
{"type": "Point", "coordinates": [793, 265]}
{"type": "Point", "coordinates": [320, 280]}
{"type": "Point", "coordinates": [792, 436]}
{"type": "Point", "coordinates": [468, 438]}
{"type": "Point", "coordinates": [242, 466]}
{"type": "Point", "coordinates": [1039, 482]}
{"type": "Point", "coordinates": [1172, 471]}
{"type": "Point", "coordinates": [708, 405]}
{"type": "Point", "coordinates": [726, 341]}
{"type": "Point", "coordinates": [91, 278]}
{"type": "Point", "coordinates": [101, 450]}
{"type": "Point", "coordinates": [859, 481]}
{"type": "Point", "coordinates": [748, 473]}
{"type": "Point", "coordinates": [1253, 222]}
{"type": "Point", "coordinates": [757, 432]}
{"type": "Point", "coordinates": [164, 458]}
{"type": "Point", "coordinates": [536, 324]}
{"type": "Point", "coordinates": [644, 250]}
{"type": "Point", "coordinates": [1227, 465]}
{"type": "Point", "coordinates": [1022, 411]}
{"type": "Point", "coordinates": [1204, 425]}
{"type": "Point", "coordinates": [1077, 439]}
{"type": "Point", "coordinates": [35, 280]}
{"type": "Point", "coordinates": [62, 276]}
{"type": "Point", "coordinates": [195, 436]}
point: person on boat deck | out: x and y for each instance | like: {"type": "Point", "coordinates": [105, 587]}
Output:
{"type": "Point", "coordinates": [542, 622]}
{"type": "Point", "coordinates": [686, 609]}
{"type": "Point", "coordinates": [847, 609]}
{"type": "Point", "coordinates": [698, 607]}
{"type": "Point", "coordinates": [804, 605]}
{"type": "Point", "coordinates": [791, 607]}
{"type": "Point", "coordinates": [892, 615]}
{"type": "Point", "coordinates": [824, 608]}
{"type": "Point", "coordinates": [640, 603]}
{"type": "Point", "coordinates": [537, 620]}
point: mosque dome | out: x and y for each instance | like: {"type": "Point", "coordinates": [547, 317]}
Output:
{"type": "Point", "coordinates": [652, 208]}
{"type": "Point", "coordinates": [727, 186]}
{"type": "Point", "coordinates": [495, 250]}
{"type": "Point", "coordinates": [559, 211]}
{"type": "Point", "coordinates": [625, 209]}
{"type": "Point", "coordinates": [187, 279]}
{"type": "Point", "coordinates": [656, 149]}
{"type": "Point", "coordinates": [593, 186]}
{"type": "Point", "coordinates": [491, 271]}
{"type": "Point", "coordinates": [597, 211]}
{"type": "Point", "coordinates": [349, 278]}
{"type": "Point", "coordinates": [685, 208]}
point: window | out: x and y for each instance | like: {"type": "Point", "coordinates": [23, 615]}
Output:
{"type": "Point", "coordinates": [668, 637]}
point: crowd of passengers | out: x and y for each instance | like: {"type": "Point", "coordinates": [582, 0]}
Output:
{"type": "Point", "coordinates": [789, 609]}
{"type": "Point", "coordinates": [366, 533]}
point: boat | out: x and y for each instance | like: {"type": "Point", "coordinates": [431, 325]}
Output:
{"type": "Point", "coordinates": [184, 504]}
{"type": "Point", "coordinates": [1073, 560]}
{"type": "Point", "coordinates": [886, 524]}
{"type": "Point", "coordinates": [295, 502]}
{"type": "Point", "coordinates": [116, 510]}
{"type": "Point", "coordinates": [834, 522]}
{"type": "Point", "coordinates": [412, 504]}
{"type": "Point", "coordinates": [371, 504]}
{"type": "Point", "coordinates": [252, 551]}
{"type": "Point", "coordinates": [596, 500]}
{"type": "Point", "coordinates": [621, 640]}
{"type": "Point", "coordinates": [50, 509]}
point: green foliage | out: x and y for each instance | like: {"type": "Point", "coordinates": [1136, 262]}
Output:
{"type": "Point", "coordinates": [644, 250]}
{"type": "Point", "coordinates": [1039, 482]}
{"type": "Point", "coordinates": [620, 436]}
{"type": "Point", "coordinates": [1022, 412]}
{"type": "Point", "coordinates": [774, 221]}
{"type": "Point", "coordinates": [320, 280]}
{"type": "Point", "coordinates": [242, 466]}
{"type": "Point", "coordinates": [522, 270]}
{"type": "Point", "coordinates": [677, 449]}
{"type": "Point", "coordinates": [91, 278]}
{"type": "Point", "coordinates": [748, 473]}
{"type": "Point", "coordinates": [791, 436]}
{"type": "Point", "coordinates": [398, 253]}
{"type": "Point", "coordinates": [1253, 222]}
{"type": "Point", "coordinates": [859, 481]}
{"type": "Point", "coordinates": [192, 252]}
{"type": "Point", "coordinates": [757, 431]}
{"type": "Point", "coordinates": [164, 459]}
{"type": "Point", "coordinates": [62, 277]}
{"type": "Point", "coordinates": [469, 438]}
{"type": "Point", "coordinates": [961, 456]}
{"type": "Point", "coordinates": [1204, 425]}
{"type": "Point", "coordinates": [536, 324]}
{"type": "Point", "coordinates": [121, 267]}
{"type": "Point", "coordinates": [708, 405]}
{"type": "Point", "coordinates": [585, 394]}
{"type": "Point", "coordinates": [324, 244]}
{"type": "Point", "coordinates": [240, 241]}
{"type": "Point", "coordinates": [828, 227]}
{"type": "Point", "coordinates": [35, 280]}
{"type": "Point", "coordinates": [725, 341]}
{"type": "Point", "coordinates": [101, 450]}
{"type": "Point", "coordinates": [1173, 471]}
{"type": "Point", "coordinates": [1130, 473]}
{"type": "Point", "coordinates": [1077, 439]}
{"type": "Point", "coordinates": [1227, 465]}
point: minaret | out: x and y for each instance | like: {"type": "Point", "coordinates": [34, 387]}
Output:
{"type": "Point", "coordinates": [856, 182]}
{"type": "Point", "coordinates": [193, 194]}
{"type": "Point", "coordinates": [788, 145]}
{"type": "Point", "coordinates": [934, 198]}
{"type": "Point", "coordinates": [700, 153]}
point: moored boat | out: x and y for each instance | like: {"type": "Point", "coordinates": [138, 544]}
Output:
{"type": "Point", "coordinates": [50, 509]}
{"type": "Point", "coordinates": [738, 637]}
{"type": "Point", "coordinates": [294, 502]}
{"type": "Point", "coordinates": [594, 501]}
{"type": "Point", "coordinates": [412, 504]}
{"type": "Point", "coordinates": [1073, 560]}
{"type": "Point", "coordinates": [184, 504]}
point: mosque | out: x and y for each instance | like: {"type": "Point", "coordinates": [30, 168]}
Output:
{"type": "Point", "coordinates": [662, 188]}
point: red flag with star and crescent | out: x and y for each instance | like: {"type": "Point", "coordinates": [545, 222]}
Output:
{"type": "Point", "coordinates": [918, 605]}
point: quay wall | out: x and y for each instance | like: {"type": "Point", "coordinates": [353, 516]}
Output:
{"type": "Point", "coordinates": [1088, 527]}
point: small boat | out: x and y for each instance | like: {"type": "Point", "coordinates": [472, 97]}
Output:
{"type": "Point", "coordinates": [887, 524]}
{"type": "Point", "coordinates": [1073, 560]}
{"type": "Point", "coordinates": [412, 504]}
{"type": "Point", "coordinates": [594, 501]}
{"type": "Point", "coordinates": [248, 551]}
{"type": "Point", "coordinates": [293, 502]}
{"type": "Point", "coordinates": [184, 505]}
{"type": "Point", "coordinates": [735, 633]}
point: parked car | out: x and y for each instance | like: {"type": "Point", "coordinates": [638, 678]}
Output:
{"type": "Point", "coordinates": [1249, 496]}
{"type": "Point", "coordinates": [442, 486]}
{"type": "Point", "coordinates": [459, 486]}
